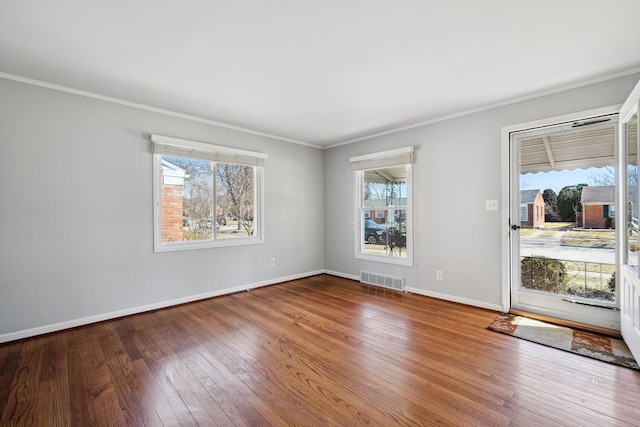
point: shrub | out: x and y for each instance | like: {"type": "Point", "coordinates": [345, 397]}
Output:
{"type": "Point", "coordinates": [397, 236]}
{"type": "Point", "coordinates": [604, 295]}
{"type": "Point", "coordinates": [611, 284]}
{"type": "Point", "coordinates": [542, 274]}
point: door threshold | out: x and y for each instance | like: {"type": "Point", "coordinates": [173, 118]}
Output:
{"type": "Point", "coordinates": [568, 323]}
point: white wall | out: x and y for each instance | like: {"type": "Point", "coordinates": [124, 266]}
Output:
{"type": "Point", "coordinates": [457, 168]}
{"type": "Point", "coordinates": [76, 230]}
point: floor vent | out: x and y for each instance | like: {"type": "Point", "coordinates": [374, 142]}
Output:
{"type": "Point", "coordinates": [389, 282]}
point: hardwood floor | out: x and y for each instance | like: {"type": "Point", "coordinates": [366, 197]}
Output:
{"type": "Point", "coordinates": [321, 351]}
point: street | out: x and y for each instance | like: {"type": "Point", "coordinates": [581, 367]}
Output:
{"type": "Point", "coordinates": [551, 247]}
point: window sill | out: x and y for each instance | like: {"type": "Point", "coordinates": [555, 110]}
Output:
{"type": "Point", "coordinates": [407, 262]}
{"type": "Point", "coordinates": [184, 246]}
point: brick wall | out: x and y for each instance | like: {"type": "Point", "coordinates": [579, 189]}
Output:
{"type": "Point", "coordinates": [538, 211]}
{"type": "Point", "coordinates": [172, 213]}
{"type": "Point", "coordinates": [535, 212]}
{"type": "Point", "coordinates": [593, 217]}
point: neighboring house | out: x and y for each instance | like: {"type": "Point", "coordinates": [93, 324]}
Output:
{"type": "Point", "coordinates": [379, 211]}
{"type": "Point", "coordinates": [598, 204]}
{"type": "Point", "coordinates": [172, 202]}
{"type": "Point", "coordinates": [531, 209]}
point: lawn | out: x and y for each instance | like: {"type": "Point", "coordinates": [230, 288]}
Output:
{"type": "Point", "coordinates": [590, 238]}
{"type": "Point", "coordinates": [549, 229]}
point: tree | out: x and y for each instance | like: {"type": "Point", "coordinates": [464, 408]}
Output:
{"type": "Point", "coordinates": [550, 205]}
{"type": "Point", "coordinates": [604, 176]}
{"type": "Point", "coordinates": [198, 188]}
{"type": "Point", "coordinates": [569, 201]}
{"type": "Point", "coordinates": [234, 193]}
{"type": "Point", "coordinates": [607, 176]}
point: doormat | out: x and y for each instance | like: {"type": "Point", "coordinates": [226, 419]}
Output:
{"type": "Point", "coordinates": [587, 344]}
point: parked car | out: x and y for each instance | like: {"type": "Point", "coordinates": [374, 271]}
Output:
{"type": "Point", "coordinates": [185, 222]}
{"type": "Point", "coordinates": [207, 223]}
{"type": "Point", "coordinates": [373, 231]}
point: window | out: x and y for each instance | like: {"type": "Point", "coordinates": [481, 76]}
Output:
{"type": "Point", "coordinates": [524, 213]}
{"type": "Point", "coordinates": [205, 195]}
{"type": "Point", "coordinates": [383, 185]}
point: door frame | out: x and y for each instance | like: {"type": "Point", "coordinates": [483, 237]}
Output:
{"type": "Point", "coordinates": [506, 174]}
{"type": "Point", "coordinates": [629, 281]}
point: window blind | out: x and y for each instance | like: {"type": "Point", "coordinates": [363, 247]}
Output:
{"type": "Point", "coordinates": [400, 156]}
{"type": "Point", "coordinates": [166, 145]}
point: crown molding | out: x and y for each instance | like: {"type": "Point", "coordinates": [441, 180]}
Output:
{"type": "Point", "coordinates": [145, 107]}
{"type": "Point", "coordinates": [492, 106]}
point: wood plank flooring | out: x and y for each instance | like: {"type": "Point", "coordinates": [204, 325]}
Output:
{"type": "Point", "coordinates": [321, 351]}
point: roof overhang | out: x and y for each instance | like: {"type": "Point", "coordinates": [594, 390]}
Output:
{"type": "Point", "coordinates": [575, 146]}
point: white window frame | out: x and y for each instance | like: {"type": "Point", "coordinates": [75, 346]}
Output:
{"type": "Point", "coordinates": [215, 153]}
{"type": "Point", "coordinates": [400, 156]}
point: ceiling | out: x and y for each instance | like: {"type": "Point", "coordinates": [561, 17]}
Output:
{"type": "Point", "coordinates": [319, 72]}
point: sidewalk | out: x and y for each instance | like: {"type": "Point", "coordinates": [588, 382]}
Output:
{"type": "Point", "coordinates": [551, 247]}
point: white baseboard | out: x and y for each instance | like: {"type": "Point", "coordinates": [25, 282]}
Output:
{"type": "Point", "coordinates": [446, 297]}
{"type": "Point", "coordinates": [26, 333]}
{"type": "Point", "coordinates": [452, 298]}
{"type": "Point", "coordinates": [343, 275]}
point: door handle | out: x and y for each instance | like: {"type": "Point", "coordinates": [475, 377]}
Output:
{"type": "Point", "coordinates": [515, 227]}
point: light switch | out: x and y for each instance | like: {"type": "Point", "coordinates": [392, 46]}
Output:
{"type": "Point", "coordinates": [492, 205]}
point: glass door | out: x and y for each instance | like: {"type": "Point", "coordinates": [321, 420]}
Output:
{"type": "Point", "coordinates": [563, 221]}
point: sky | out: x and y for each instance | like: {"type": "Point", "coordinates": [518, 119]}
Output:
{"type": "Point", "coordinates": [556, 180]}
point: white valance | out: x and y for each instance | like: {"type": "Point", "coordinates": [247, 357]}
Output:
{"type": "Point", "coordinates": [166, 145]}
{"type": "Point", "coordinates": [397, 157]}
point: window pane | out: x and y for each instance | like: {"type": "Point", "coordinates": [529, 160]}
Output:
{"type": "Point", "coordinates": [235, 197]}
{"type": "Point", "coordinates": [385, 187]}
{"type": "Point", "coordinates": [396, 236]}
{"type": "Point", "coordinates": [632, 189]}
{"type": "Point", "coordinates": [187, 199]}
{"type": "Point", "coordinates": [374, 237]}
{"type": "Point", "coordinates": [389, 238]}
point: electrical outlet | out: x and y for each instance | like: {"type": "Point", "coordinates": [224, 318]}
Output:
{"type": "Point", "coordinates": [273, 262]}
{"type": "Point", "coordinates": [439, 274]}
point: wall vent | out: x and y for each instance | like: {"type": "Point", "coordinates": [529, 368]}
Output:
{"type": "Point", "coordinates": [389, 282]}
